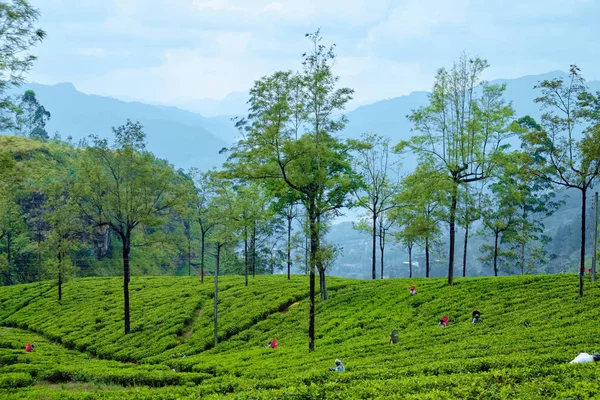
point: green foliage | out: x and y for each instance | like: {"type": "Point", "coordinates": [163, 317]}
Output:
{"type": "Point", "coordinates": [557, 153]}
{"type": "Point", "coordinates": [17, 36]}
{"type": "Point", "coordinates": [125, 188]}
{"type": "Point", "coordinates": [461, 131]}
{"type": "Point", "coordinates": [32, 117]}
{"type": "Point", "coordinates": [533, 326]}
{"type": "Point", "coordinates": [513, 213]}
{"type": "Point", "coordinates": [290, 145]}
{"type": "Point", "coordinates": [376, 190]}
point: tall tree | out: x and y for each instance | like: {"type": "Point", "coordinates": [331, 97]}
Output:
{"type": "Point", "coordinates": [205, 191]}
{"type": "Point", "coordinates": [286, 205]}
{"type": "Point", "coordinates": [461, 130]}
{"type": "Point", "coordinates": [555, 152]}
{"type": "Point", "coordinates": [32, 117]}
{"type": "Point", "coordinates": [384, 224]}
{"type": "Point", "coordinates": [468, 212]}
{"type": "Point", "coordinates": [219, 215]}
{"type": "Point", "coordinates": [535, 200]}
{"type": "Point", "coordinates": [64, 235]}
{"type": "Point", "coordinates": [377, 187]}
{"type": "Point", "coordinates": [17, 36]}
{"type": "Point", "coordinates": [421, 202]}
{"type": "Point", "coordinates": [289, 212]}
{"type": "Point", "coordinates": [499, 216]}
{"type": "Point", "coordinates": [12, 176]}
{"type": "Point", "coordinates": [125, 187]}
{"type": "Point", "coordinates": [249, 214]}
{"type": "Point", "coordinates": [185, 218]}
{"type": "Point", "coordinates": [314, 164]}
{"type": "Point", "coordinates": [408, 236]}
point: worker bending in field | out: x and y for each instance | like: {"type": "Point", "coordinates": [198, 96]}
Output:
{"type": "Point", "coordinates": [413, 290]}
{"type": "Point", "coordinates": [273, 344]}
{"type": "Point", "coordinates": [339, 367]}
{"type": "Point", "coordinates": [444, 321]}
{"type": "Point", "coordinates": [394, 337]}
{"type": "Point", "coordinates": [476, 317]}
{"type": "Point", "coordinates": [29, 348]}
{"type": "Point", "coordinates": [585, 358]}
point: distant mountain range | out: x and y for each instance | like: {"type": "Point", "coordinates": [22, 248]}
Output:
{"type": "Point", "coordinates": [184, 138]}
{"type": "Point", "coordinates": [189, 139]}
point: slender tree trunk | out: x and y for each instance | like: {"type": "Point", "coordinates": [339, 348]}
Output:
{"type": "Point", "coordinates": [467, 223]}
{"type": "Point", "coordinates": [523, 233]}
{"type": "Point", "coordinates": [216, 297]}
{"type": "Point", "coordinates": [59, 276]}
{"type": "Point", "coordinates": [289, 246]}
{"type": "Point", "coordinates": [202, 257]}
{"type": "Point", "coordinates": [374, 254]}
{"type": "Point", "coordinates": [595, 237]}
{"type": "Point", "coordinates": [126, 277]}
{"type": "Point", "coordinates": [320, 267]}
{"type": "Point", "coordinates": [189, 257]}
{"type": "Point", "coordinates": [496, 234]}
{"type": "Point", "coordinates": [254, 250]}
{"type": "Point", "coordinates": [9, 258]}
{"type": "Point", "coordinates": [427, 257]}
{"type": "Point", "coordinates": [314, 247]}
{"type": "Point", "coordinates": [410, 261]}
{"type": "Point", "coordinates": [246, 253]}
{"type": "Point", "coordinates": [59, 285]}
{"type": "Point", "coordinates": [522, 257]}
{"type": "Point", "coordinates": [582, 255]}
{"type": "Point", "coordinates": [39, 255]}
{"type": "Point", "coordinates": [452, 235]}
{"type": "Point", "coordinates": [306, 253]}
{"type": "Point", "coordinates": [323, 285]}
{"type": "Point", "coordinates": [381, 247]}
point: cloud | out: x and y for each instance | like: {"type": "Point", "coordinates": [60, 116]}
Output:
{"type": "Point", "coordinates": [91, 52]}
{"type": "Point", "coordinates": [216, 5]}
{"type": "Point", "coordinates": [416, 18]}
{"type": "Point", "coordinates": [374, 78]}
{"type": "Point", "coordinates": [161, 50]}
{"type": "Point", "coordinates": [184, 74]}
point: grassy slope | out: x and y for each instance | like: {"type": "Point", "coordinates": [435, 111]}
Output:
{"type": "Point", "coordinates": [532, 327]}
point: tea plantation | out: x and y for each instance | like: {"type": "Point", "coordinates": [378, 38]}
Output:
{"type": "Point", "coordinates": [532, 327]}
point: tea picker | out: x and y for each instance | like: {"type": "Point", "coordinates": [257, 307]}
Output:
{"type": "Point", "coordinates": [273, 344]}
{"type": "Point", "coordinates": [585, 358]}
{"type": "Point", "coordinates": [394, 337]}
{"type": "Point", "coordinates": [339, 367]}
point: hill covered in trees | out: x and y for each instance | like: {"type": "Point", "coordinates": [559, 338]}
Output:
{"type": "Point", "coordinates": [184, 138]}
{"type": "Point", "coordinates": [532, 327]}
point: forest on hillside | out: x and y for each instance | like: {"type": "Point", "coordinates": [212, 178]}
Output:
{"type": "Point", "coordinates": [107, 206]}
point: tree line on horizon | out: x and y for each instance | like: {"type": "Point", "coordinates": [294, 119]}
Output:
{"type": "Point", "coordinates": [96, 206]}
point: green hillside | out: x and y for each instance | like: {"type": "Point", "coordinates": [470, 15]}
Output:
{"type": "Point", "coordinates": [533, 326]}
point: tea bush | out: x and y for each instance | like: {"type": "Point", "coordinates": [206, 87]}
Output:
{"type": "Point", "coordinates": [532, 327]}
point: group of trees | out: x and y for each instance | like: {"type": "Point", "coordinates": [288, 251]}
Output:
{"type": "Point", "coordinates": [66, 209]}
{"type": "Point", "coordinates": [462, 138]}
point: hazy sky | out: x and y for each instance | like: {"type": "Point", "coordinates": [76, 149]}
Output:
{"type": "Point", "coordinates": [173, 51]}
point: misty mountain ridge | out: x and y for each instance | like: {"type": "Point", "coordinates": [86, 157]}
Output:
{"type": "Point", "coordinates": [189, 139]}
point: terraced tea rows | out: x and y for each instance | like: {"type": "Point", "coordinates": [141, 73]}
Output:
{"type": "Point", "coordinates": [533, 326]}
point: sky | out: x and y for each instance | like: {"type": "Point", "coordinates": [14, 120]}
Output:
{"type": "Point", "coordinates": [175, 51]}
